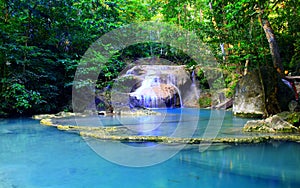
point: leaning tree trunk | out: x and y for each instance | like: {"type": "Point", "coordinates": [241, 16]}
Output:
{"type": "Point", "coordinates": [274, 49]}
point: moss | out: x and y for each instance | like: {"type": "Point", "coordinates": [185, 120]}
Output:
{"type": "Point", "coordinates": [294, 119]}
{"type": "Point", "coordinates": [231, 81]}
{"type": "Point", "coordinates": [248, 115]}
{"type": "Point", "coordinates": [205, 101]}
{"type": "Point", "coordinates": [291, 117]}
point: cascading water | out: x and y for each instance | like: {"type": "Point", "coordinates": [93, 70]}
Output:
{"type": "Point", "coordinates": [159, 86]}
{"type": "Point", "coordinates": [193, 77]}
{"type": "Point", "coordinates": [155, 93]}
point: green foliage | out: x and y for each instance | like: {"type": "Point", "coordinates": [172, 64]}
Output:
{"type": "Point", "coordinates": [43, 41]}
{"type": "Point", "coordinates": [234, 33]}
{"type": "Point", "coordinates": [235, 25]}
{"type": "Point", "coordinates": [205, 100]}
{"type": "Point", "coordinates": [41, 46]}
{"type": "Point", "coordinates": [231, 79]}
{"type": "Point", "coordinates": [203, 83]}
{"type": "Point", "coordinates": [19, 98]}
{"type": "Point", "coordinates": [295, 62]}
{"type": "Point", "coordinates": [159, 50]}
{"type": "Point", "coordinates": [291, 117]}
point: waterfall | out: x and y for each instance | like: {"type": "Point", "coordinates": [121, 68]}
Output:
{"type": "Point", "coordinates": [193, 77]}
{"type": "Point", "coordinates": [160, 86]}
{"type": "Point", "coordinates": [153, 93]}
{"type": "Point", "coordinates": [171, 79]}
{"type": "Point", "coordinates": [180, 99]}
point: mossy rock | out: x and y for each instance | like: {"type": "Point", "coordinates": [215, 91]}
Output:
{"type": "Point", "coordinates": [249, 115]}
{"type": "Point", "coordinates": [273, 124]}
{"type": "Point", "coordinates": [294, 119]}
{"type": "Point", "coordinates": [262, 91]}
{"type": "Point", "coordinates": [291, 117]}
{"type": "Point", "coordinates": [205, 101]}
{"type": "Point", "coordinates": [47, 122]}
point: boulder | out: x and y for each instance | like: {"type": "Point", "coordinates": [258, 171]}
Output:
{"type": "Point", "coordinates": [273, 124]}
{"type": "Point", "coordinates": [291, 117]}
{"type": "Point", "coordinates": [261, 93]}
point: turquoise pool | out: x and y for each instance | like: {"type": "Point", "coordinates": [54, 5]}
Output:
{"type": "Point", "coordinates": [34, 156]}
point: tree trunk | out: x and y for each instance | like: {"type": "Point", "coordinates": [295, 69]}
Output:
{"type": "Point", "coordinates": [274, 49]}
{"type": "Point", "coordinates": [246, 67]}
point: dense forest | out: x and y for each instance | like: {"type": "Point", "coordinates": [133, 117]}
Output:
{"type": "Point", "coordinates": [42, 42]}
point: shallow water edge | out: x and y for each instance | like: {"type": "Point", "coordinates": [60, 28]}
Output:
{"type": "Point", "coordinates": [111, 133]}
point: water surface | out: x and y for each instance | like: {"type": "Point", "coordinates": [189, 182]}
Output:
{"type": "Point", "coordinates": [33, 156]}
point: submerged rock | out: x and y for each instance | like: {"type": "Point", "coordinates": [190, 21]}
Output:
{"type": "Point", "coordinates": [60, 115]}
{"type": "Point", "coordinates": [126, 111]}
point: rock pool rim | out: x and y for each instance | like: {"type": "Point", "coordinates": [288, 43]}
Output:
{"type": "Point", "coordinates": [170, 140]}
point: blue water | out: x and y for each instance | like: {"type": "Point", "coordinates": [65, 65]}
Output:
{"type": "Point", "coordinates": [191, 122]}
{"type": "Point", "coordinates": [32, 156]}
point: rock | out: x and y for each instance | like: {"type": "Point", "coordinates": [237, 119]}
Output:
{"type": "Point", "coordinates": [43, 116]}
{"type": "Point", "coordinates": [257, 126]}
{"type": "Point", "coordinates": [273, 124]}
{"type": "Point", "coordinates": [124, 134]}
{"type": "Point", "coordinates": [248, 98]}
{"type": "Point", "coordinates": [224, 105]}
{"type": "Point", "coordinates": [292, 105]}
{"type": "Point", "coordinates": [102, 113]}
{"type": "Point", "coordinates": [63, 115]}
{"type": "Point", "coordinates": [280, 125]}
{"type": "Point", "coordinates": [126, 111]}
{"type": "Point", "coordinates": [291, 117]}
{"type": "Point", "coordinates": [47, 122]}
{"type": "Point", "coordinates": [261, 93]}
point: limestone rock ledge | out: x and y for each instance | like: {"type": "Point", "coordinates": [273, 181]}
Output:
{"type": "Point", "coordinates": [122, 134]}
{"type": "Point", "coordinates": [125, 111]}
{"type": "Point", "coordinates": [279, 123]}
{"type": "Point", "coordinates": [58, 115]}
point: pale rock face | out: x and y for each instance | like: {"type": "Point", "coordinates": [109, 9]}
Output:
{"type": "Point", "coordinates": [262, 93]}
{"type": "Point", "coordinates": [249, 96]}
{"type": "Point", "coordinates": [273, 124]}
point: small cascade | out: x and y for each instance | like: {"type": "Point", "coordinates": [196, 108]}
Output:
{"type": "Point", "coordinates": [157, 81]}
{"type": "Point", "coordinates": [171, 79]}
{"type": "Point", "coordinates": [160, 86]}
{"type": "Point", "coordinates": [156, 93]}
{"type": "Point", "coordinates": [157, 96]}
{"type": "Point", "coordinates": [193, 77]}
{"type": "Point", "coordinates": [129, 72]}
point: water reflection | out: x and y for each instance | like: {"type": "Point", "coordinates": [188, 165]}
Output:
{"type": "Point", "coordinates": [35, 156]}
{"type": "Point", "coordinates": [273, 161]}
